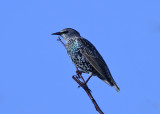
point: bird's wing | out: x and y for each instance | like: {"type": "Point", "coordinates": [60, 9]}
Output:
{"type": "Point", "coordinates": [96, 60]}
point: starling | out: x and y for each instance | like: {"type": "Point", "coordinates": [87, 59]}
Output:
{"type": "Point", "coordinates": [85, 56]}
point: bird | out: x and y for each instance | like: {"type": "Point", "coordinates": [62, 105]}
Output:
{"type": "Point", "coordinates": [85, 56]}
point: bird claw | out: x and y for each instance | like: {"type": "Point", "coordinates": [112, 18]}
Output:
{"type": "Point", "coordinates": [79, 72]}
{"type": "Point", "coordinates": [77, 77]}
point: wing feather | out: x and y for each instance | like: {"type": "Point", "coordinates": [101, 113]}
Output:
{"type": "Point", "coordinates": [96, 60]}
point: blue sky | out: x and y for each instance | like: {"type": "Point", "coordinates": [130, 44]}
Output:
{"type": "Point", "coordinates": [36, 72]}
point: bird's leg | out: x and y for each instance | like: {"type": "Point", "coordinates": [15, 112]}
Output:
{"type": "Point", "coordinates": [79, 74]}
{"type": "Point", "coordinates": [85, 83]}
{"type": "Point", "coordinates": [90, 75]}
{"type": "Point", "coordinates": [88, 79]}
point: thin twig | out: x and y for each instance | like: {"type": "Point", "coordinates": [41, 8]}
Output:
{"type": "Point", "coordinates": [83, 84]}
{"type": "Point", "coordinates": [60, 41]}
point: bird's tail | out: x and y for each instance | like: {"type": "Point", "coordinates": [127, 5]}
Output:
{"type": "Point", "coordinates": [116, 87]}
{"type": "Point", "coordinates": [113, 84]}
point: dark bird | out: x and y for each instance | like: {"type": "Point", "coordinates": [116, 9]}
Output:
{"type": "Point", "coordinates": [85, 56]}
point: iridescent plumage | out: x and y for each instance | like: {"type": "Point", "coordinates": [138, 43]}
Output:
{"type": "Point", "coordinates": [85, 56]}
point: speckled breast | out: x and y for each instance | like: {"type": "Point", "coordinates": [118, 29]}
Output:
{"type": "Point", "coordinates": [74, 52]}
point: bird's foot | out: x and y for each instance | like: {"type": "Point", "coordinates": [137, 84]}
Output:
{"type": "Point", "coordinates": [79, 72]}
{"type": "Point", "coordinates": [77, 77]}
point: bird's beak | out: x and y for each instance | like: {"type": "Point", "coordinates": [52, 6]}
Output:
{"type": "Point", "coordinates": [57, 33]}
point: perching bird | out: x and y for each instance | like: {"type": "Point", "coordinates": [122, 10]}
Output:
{"type": "Point", "coordinates": [85, 56]}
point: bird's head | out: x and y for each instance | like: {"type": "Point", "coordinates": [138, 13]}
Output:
{"type": "Point", "coordinates": [67, 33]}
